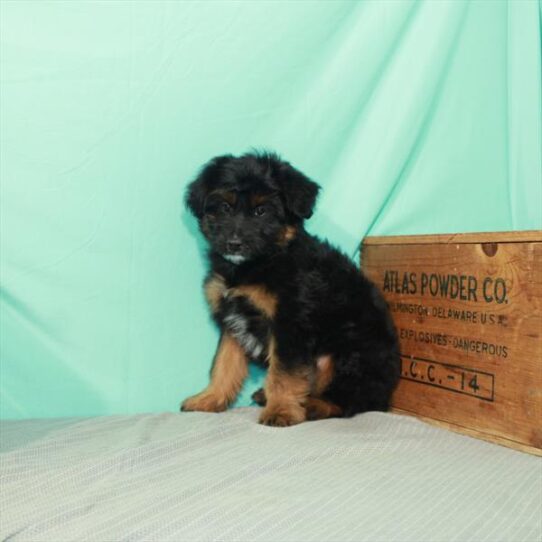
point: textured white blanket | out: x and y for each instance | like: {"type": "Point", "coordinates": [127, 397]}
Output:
{"type": "Point", "coordinates": [222, 477]}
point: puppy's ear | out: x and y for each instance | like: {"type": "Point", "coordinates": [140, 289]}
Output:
{"type": "Point", "coordinates": [195, 197]}
{"type": "Point", "coordinates": [197, 190]}
{"type": "Point", "coordinates": [299, 191]}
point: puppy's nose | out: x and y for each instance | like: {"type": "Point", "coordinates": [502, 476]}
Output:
{"type": "Point", "coordinates": [233, 246]}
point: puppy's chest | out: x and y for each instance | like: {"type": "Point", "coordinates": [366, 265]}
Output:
{"type": "Point", "coordinates": [245, 311]}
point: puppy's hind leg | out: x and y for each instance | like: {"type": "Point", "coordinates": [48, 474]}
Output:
{"type": "Point", "coordinates": [321, 409]}
{"type": "Point", "coordinates": [316, 407]}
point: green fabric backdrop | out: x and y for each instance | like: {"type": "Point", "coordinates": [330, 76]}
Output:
{"type": "Point", "coordinates": [416, 117]}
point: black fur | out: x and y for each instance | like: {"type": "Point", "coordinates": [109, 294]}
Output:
{"type": "Point", "coordinates": [324, 303]}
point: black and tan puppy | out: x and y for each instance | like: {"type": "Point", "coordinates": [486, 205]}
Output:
{"type": "Point", "coordinates": [286, 299]}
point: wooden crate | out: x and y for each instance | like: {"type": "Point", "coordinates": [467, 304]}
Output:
{"type": "Point", "coordinates": [468, 310]}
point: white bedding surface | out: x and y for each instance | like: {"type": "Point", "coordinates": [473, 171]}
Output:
{"type": "Point", "coordinates": [223, 477]}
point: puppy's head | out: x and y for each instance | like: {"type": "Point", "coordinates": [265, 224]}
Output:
{"type": "Point", "coordinates": [250, 206]}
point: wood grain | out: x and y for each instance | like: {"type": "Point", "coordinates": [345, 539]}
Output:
{"type": "Point", "coordinates": [447, 238]}
{"type": "Point", "coordinates": [469, 318]}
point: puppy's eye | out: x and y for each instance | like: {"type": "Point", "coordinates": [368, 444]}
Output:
{"type": "Point", "coordinates": [225, 207]}
{"type": "Point", "coordinates": [260, 210]}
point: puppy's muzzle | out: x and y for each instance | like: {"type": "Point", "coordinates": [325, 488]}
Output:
{"type": "Point", "coordinates": [234, 246]}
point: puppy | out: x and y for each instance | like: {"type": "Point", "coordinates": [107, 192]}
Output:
{"type": "Point", "coordinates": [287, 300]}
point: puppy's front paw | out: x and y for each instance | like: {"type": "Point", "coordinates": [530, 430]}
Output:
{"type": "Point", "coordinates": [282, 415]}
{"type": "Point", "coordinates": [205, 401]}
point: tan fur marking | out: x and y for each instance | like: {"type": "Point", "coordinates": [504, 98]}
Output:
{"type": "Point", "coordinates": [215, 289]}
{"type": "Point", "coordinates": [319, 409]}
{"type": "Point", "coordinates": [290, 232]}
{"type": "Point", "coordinates": [323, 375]}
{"type": "Point", "coordinates": [259, 297]}
{"type": "Point", "coordinates": [230, 197]}
{"type": "Point", "coordinates": [227, 377]}
{"type": "Point", "coordinates": [286, 235]}
{"type": "Point", "coordinates": [258, 199]}
{"type": "Point", "coordinates": [285, 392]}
